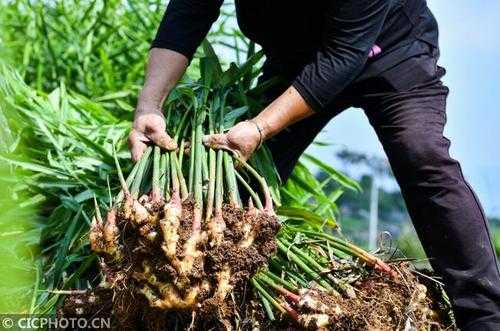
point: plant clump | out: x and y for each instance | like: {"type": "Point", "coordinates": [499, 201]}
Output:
{"type": "Point", "coordinates": [178, 234]}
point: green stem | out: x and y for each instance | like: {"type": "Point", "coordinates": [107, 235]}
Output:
{"type": "Point", "coordinates": [178, 177]}
{"type": "Point", "coordinates": [164, 176]}
{"type": "Point", "coordinates": [232, 188]}
{"type": "Point", "coordinates": [204, 168]}
{"type": "Point", "coordinates": [174, 176]}
{"type": "Point", "coordinates": [266, 295]}
{"type": "Point", "coordinates": [197, 181]}
{"type": "Point", "coordinates": [267, 307]}
{"type": "Point", "coordinates": [341, 286]}
{"type": "Point", "coordinates": [182, 126]}
{"type": "Point", "coordinates": [250, 190]}
{"type": "Point", "coordinates": [192, 162]}
{"type": "Point", "coordinates": [268, 201]}
{"type": "Point", "coordinates": [120, 173]}
{"type": "Point", "coordinates": [300, 263]}
{"type": "Point", "coordinates": [211, 172]}
{"type": "Point", "coordinates": [128, 182]}
{"type": "Point", "coordinates": [343, 246]}
{"type": "Point", "coordinates": [219, 184]}
{"type": "Point", "coordinates": [181, 151]}
{"type": "Point", "coordinates": [198, 148]}
{"type": "Point", "coordinates": [286, 293]}
{"type": "Point", "coordinates": [306, 257]}
{"type": "Point", "coordinates": [143, 162]}
{"type": "Point", "coordinates": [298, 279]}
{"type": "Point", "coordinates": [156, 174]}
{"type": "Point", "coordinates": [280, 280]}
{"type": "Point", "coordinates": [335, 251]}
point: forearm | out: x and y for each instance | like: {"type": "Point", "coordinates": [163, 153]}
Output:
{"type": "Point", "coordinates": [165, 68]}
{"type": "Point", "coordinates": [286, 110]}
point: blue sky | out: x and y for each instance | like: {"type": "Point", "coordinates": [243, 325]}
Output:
{"type": "Point", "coordinates": [470, 52]}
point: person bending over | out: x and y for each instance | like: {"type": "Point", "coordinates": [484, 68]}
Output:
{"type": "Point", "coordinates": [377, 55]}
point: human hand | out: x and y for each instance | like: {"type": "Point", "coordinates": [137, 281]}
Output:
{"type": "Point", "coordinates": [242, 139]}
{"type": "Point", "coordinates": [149, 127]}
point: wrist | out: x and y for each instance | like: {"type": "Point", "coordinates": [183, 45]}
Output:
{"type": "Point", "coordinates": [152, 98]}
{"type": "Point", "coordinates": [147, 109]}
{"type": "Point", "coordinates": [265, 127]}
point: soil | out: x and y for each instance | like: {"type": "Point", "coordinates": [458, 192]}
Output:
{"type": "Point", "coordinates": [143, 264]}
{"type": "Point", "coordinates": [382, 303]}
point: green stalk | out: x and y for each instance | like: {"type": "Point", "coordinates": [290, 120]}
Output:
{"type": "Point", "coordinates": [181, 128]}
{"type": "Point", "coordinates": [337, 252]}
{"type": "Point", "coordinates": [286, 293]}
{"type": "Point", "coordinates": [219, 183]}
{"type": "Point", "coordinates": [143, 162]}
{"type": "Point", "coordinates": [342, 245]}
{"type": "Point", "coordinates": [182, 181]}
{"type": "Point", "coordinates": [266, 295]}
{"type": "Point", "coordinates": [232, 188]}
{"type": "Point", "coordinates": [341, 286]}
{"type": "Point", "coordinates": [204, 170]}
{"type": "Point", "coordinates": [298, 279]}
{"type": "Point", "coordinates": [211, 172]}
{"type": "Point", "coordinates": [306, 257]}
{"type": "Point", "coordinates": [174, 176]}
{"type": "Point", "coordinates": [168, 165]}
{"type": "Point", "coordinates": [302, 265]}
{"type": "Point", "coordinates": [268, 201]}
{"type": "Point", "coordinates": [250, 190]}
{"type": "Point", "coordinates": [363, 255]}
{"type": "Point", "coordinates": [192, 162]}
{"type": "Point", "coordinates": [163, 176]}
{"type": "Point", "coordinates": [128, 182]}
{"type": "Point", "coordinates": [280, 280]}
{"type": "Point", "coordinates": [267, 307]}
{"type": "Point", "coordinates": [179, 136]}
{"type": "Point", "coordinates": [120, 173]}
{"type": "Point", "coordinates": [182, 147]}
{"type": "Point", "coordinates": [197, 148]}
{"type": "Point", "coordinates": [178, 182]}
{"type": "Point", "coordinates": [156, 194]}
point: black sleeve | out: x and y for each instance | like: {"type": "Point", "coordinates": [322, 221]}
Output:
{"type": "Point", "coordinates": [185, 24]}
{"type": "Point", "coordinates": [351, 29]}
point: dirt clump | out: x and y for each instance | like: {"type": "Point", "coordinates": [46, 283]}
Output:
{"type": "Point", "coordinates": [157, 262]}
{"type": "Point", "coordinates": [381, 303]}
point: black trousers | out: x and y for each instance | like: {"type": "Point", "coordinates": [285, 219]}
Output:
{"type": "Point", "coordinates": [447, 215]}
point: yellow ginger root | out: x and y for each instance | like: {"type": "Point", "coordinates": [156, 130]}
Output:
{"type": "Point", "coordinates": [223, 283]}
{"type": "Point", "coordinates": [104, 237]}
{"type": "Point", "coordinates": [169, 226]}
{"type": "Point", "coordinates": [216, 228]}
{"type": "Point", "coordinates": [170, 296]}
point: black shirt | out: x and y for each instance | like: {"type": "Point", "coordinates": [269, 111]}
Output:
{"type": "Point", "coordinates": [321, 46]}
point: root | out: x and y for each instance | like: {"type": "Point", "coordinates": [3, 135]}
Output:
{"type": "Point", "coordinates": [169, 227]}
{"type": "Point", "coordinates": [223, 286]}
{"type": "Point", "coordinates": [216, 228]}
{"type": "Point", "coordinates": [169, 297]}
{"type": "Point", "coordinates": [382, 303]}
{"type": "Point", "coordinates": [166, 260]}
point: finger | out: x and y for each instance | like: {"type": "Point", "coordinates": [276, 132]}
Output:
{"type": "Point", "coordinates": [216, 141]}
{"type": "Point", "coordinates": [137, 145]}
{"type": "Point", "coordinates": [163, 140]}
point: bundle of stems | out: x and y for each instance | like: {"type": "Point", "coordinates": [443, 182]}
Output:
{"type": "Point", "coordinates": [311, 260]}
{"type": "Point", "coordinates": [183, 211]}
